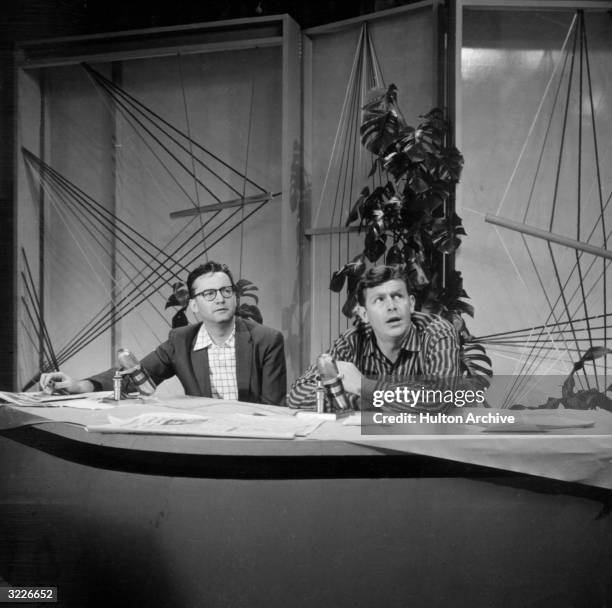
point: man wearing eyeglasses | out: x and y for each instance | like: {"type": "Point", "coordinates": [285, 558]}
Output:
{"type": "Point", "coordinates": [223, 356]}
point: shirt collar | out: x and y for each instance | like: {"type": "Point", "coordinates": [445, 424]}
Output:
{"type": "Point", "coordinates": [411, 342]}
{"type": "Point", "coordinates": [203, 339]}
{"type": "Point", "coordinates": [412, 339]}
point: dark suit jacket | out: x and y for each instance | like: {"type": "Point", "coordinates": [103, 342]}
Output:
{"type": "Point", "coordinates": [260, 363]}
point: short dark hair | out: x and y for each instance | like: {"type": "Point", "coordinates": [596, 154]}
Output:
{"type": "Point", "coordinates": [207, 268]}
{"type": "Point", "coordinates": [377, 275]}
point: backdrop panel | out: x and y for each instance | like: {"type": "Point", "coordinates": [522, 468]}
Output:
{"type": "Point", "coordinates": [536, 128]}
{"type": "Point", "coordinates": [346, 62]}
{"type": "Point", "coordinates": [111, 149]}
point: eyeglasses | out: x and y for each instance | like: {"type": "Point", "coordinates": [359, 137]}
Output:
{"type": "Point", "coordinates": [226, 291]}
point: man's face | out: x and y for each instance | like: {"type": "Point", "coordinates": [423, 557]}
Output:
{"type": "Point", "coordinates": [220, 309]}
{"type": "Point", "coordinates": [388, 308]}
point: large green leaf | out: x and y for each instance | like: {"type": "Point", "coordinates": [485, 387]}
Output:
{"type": "Point", "coordinates": [382, 121]}
{"type": "Point", "coordinates": [244, 287]}
{"type": "Point", "coordinates": [375, 245]}
{"type": "Point", "coordinates": [454, 285]}
{"type": "Point", "coordinates": [463, 307]}
{"type": "Point", "coordinates": [250, 311]}
{"type": "Point", "coordinates": [354, 212]}
{"type": "Point", "coordinates": [417, 153]}
{"type": "Point", "coordinates": [378, 132]}
{"type": "Point", "coordinates": [179, 297]}
{"type": "Point", "coordinates": [394, 256]}
{"type": "Point", "coordinates": [474, 362]}
{"type": "Point", "coordinates": [337, 280]}
{"type": "Point", "coordinates": [392, 210]}
{"type": "Point", "coordinates": [444, 233]}
{"type": "Point", "coordinates": [351, 271]}
{"type": "Point", "coordinates": [398, 164]}
{"type": "Point", "coordinates": [419, 183]}
{"type": "Point", "coordinates": [180, 318]}
{"type": "Point", "coordinates": [356, 270]}
{"type": "Point", "coordinates": [416, 273]}
{"type": "Point", "coordinates": [348, 309]}
{"type": "Point", "coordinates": [450, 165]}
{"type": "Point", "coordinates": [595, 352]}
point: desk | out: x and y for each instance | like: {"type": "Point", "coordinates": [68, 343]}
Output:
{"type": "Point", "coordinates": [336, 519]}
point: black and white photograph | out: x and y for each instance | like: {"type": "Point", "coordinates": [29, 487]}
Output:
{"type": "Point", "coordinates": [306, 304]}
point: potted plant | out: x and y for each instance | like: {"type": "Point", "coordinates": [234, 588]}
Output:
{"type": "Point", "coordinates": [406, 220]}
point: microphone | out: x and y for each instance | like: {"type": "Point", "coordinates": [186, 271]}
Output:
{"type": "Point", "coordinates": [131, 366]}
{"type": "Point", "coordinates": [330, 377]}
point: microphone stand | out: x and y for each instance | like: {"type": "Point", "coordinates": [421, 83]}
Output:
{"type": "Point", "coordinates": [118, 393]}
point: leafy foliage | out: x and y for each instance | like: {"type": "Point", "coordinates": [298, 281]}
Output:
{"type": "Point", "coordinates": [406, 220]}
{"type": "Point", "coordinates": [588, 399]}
{"type": "Point", "coordinates": [475, 363]}
{"type": "Point", "coordinates": [249, 311]}
{"type": "Point", "coordinates": [245, 289]}
{"type": "Point", "coordinates": [382, 120]}
{"type": "Point", "coordinates": [584, 399]}
{"type": "Point", "coordinates": [179, 297]}
{"type": "Point", "coordinates": [595, 352]}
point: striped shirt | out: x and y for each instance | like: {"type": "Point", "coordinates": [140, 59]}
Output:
{"type": "Point", "coordinates": [221, 363]}
{"type": "Point", "coordinates": [430, 348]}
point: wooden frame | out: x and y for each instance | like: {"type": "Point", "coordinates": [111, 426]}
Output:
{"type": "Point", "coordinates": [460, 11]}
{"type": "Point", "coordinates": [440, 93]}
{"type": "Point", "coordinates": [32, 57]}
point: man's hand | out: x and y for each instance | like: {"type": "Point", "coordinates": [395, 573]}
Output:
{"type": "Point", "coordinates": [58, 383]}
{"type": "Point", "coordinates": [351, 377]}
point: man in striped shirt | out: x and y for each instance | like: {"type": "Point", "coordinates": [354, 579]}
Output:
{"type": "Point", "coordinates": [393, 343]}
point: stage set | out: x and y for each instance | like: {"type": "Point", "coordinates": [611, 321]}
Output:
{"type": "Point", "coordinates": [142, 154]}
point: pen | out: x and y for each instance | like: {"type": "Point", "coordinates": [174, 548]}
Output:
{"type": "Point", "coordinates": [49, 388]}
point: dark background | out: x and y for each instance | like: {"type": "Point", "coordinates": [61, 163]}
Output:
{"type": "Point", "coordinates": [23, 19]}
{"type": "Point", "coordinates": [32, 19]}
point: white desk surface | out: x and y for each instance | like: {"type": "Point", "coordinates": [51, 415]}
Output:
{"type": "Point", "coordinates": [577, 455]}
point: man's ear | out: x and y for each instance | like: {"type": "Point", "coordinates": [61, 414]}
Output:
{"type": "Point", "coordinates": [412, 301]}
{"type": "Point", "coordinates": [194, 310]}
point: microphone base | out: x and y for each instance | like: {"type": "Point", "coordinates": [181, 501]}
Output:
{"type": "Point", "coordinates": [325, 415]}
{"type": "Point", "coordinates": [124, 400]}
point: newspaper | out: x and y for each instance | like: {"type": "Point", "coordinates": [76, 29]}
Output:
{"type": "Point", "coordinates": [259, 426]}
{"type": "Point", "coordinates": [84, 401]}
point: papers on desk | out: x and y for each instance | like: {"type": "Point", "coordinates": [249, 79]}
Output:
{"type": "Point", "coordinates": [24, 399]}
{"type": "Point", "coordinates": [85, 401]}
{"type": "Point", "coordinates": [211, 424]}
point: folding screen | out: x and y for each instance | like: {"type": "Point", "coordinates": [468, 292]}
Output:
{"type": "Point", "coordinates": [343, 62]}
{"type": "Point", "coordinates": [136, 154]}
{"type": "Point", "coordinates": [534, 124]}
{"type": "Point", "coordinates": [123, 140]}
